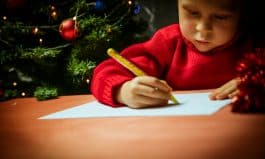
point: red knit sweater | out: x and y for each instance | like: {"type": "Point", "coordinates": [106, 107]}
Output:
{"type": "Point", "coordinates": [167, 55]}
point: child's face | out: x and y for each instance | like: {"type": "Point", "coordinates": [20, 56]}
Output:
{"type": "Point", "coordinates": [208, 24]}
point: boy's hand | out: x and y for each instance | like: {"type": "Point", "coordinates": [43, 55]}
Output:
{"type": "Point", "coordinates": [144, 91]}
{"type": "Point", "coordinates": [228, 90]}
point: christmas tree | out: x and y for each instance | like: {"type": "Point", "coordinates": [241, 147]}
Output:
{"type": "Point", "coordinates": [50, 47]}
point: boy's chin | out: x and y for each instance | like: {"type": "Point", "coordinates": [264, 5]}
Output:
{"type": "Point", "coordinates": [204, 49]}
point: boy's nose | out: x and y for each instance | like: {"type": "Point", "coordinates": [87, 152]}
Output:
{"type": "Point", "coordinates": [204, 26]}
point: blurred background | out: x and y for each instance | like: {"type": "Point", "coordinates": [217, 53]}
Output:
{"type": "Point", "coordinates": [165, 12]}
{"type": "Point", "coordinates": [49, 48]}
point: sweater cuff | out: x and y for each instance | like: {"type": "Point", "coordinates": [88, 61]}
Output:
{"type": "Point", "coordinates": [111, 86]}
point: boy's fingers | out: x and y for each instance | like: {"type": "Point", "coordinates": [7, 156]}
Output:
{"type": "Point", "coordinates": [225, 91]}
{"type": "Point", "coordinates": [215, 93]}
{"type": "Point", "coordinates": [233, 94]}
{"type": "Point", "coordinates": [155, 83]}
{"type": "Point", "coordinates": [152, 92]}
{"type": "Point", "coordinates": [142, 101]}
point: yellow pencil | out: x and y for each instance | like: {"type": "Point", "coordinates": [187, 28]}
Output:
{"type": "Point", "coordinates": [130, 66]}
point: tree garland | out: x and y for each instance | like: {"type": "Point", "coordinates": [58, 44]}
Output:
{"type": "Point", "coordinates": [251, 98]}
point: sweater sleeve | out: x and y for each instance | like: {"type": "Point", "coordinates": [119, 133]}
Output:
{"type": "Point", "coordinates": [152, 57]}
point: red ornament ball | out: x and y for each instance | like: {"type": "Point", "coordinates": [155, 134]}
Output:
{"type": "Point", "coordinates": [69, 29]}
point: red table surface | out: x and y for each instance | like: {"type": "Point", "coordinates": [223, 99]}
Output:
{"type": "Point", "coordinates": [222, 135]}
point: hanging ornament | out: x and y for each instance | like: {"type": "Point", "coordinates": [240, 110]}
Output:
{"type": "Point", "coordinates": [68, 29]}
{"type": "Point", "coordinates": [137, 8]}
{"type": "Point", "coordinates": [252, 87]}
{"type": "Point", "coordinates": [100, 5]}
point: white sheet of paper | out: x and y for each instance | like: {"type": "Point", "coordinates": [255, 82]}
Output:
{"type": "Point", "coordinates": [190, 104]}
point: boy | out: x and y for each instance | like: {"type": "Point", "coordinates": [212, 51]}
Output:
{"type": "Point", "coordinates": [200, 52]}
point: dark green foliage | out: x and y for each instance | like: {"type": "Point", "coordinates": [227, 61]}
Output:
{"type": "Point", "coordinates": [36, 59]}
{"type": "Point", "coordinates": [8, 94]}
{"type": "Point", "coordinates": [44, 93]}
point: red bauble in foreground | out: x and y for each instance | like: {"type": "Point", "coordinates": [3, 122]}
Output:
{"type": "Point", "coordinates": [251, 98]}
{"type": "Point", "coordinates": [69, 29]}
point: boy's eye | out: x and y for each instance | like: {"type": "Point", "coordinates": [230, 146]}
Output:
{"type": "Point", "coordinates": [193, 13]}
{"type": "Point", "coordinates": [220, 17]}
